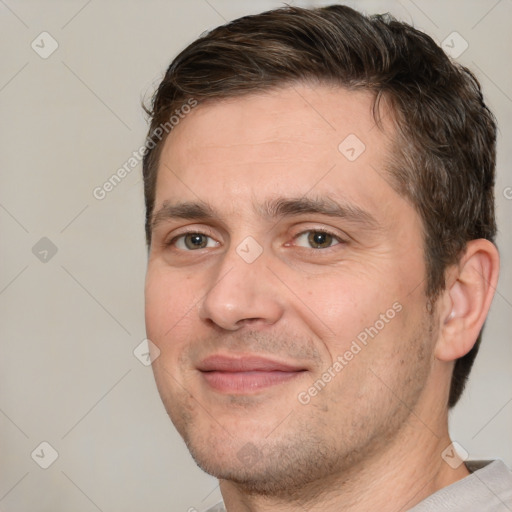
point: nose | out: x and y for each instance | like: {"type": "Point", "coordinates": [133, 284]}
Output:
{"type": "Point", "coordinates": [242, 293]}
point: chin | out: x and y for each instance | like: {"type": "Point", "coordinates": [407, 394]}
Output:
{"type": "Point", "coordinates": [258, 467]}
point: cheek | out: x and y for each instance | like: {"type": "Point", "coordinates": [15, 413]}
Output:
{"type": "Point", "coordinates": [362, 318]}
{"type": "Point", "coordinates": [169, 303]}
{"type": "Point", "coordinates": [345, 304]}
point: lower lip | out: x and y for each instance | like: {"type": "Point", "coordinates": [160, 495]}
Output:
{"type": "Point", "coordinates": [246, 382]}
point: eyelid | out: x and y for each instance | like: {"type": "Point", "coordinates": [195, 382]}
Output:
{"type": "Point", "coordinates": [203, 230]}
{"type": "Point", "coordinates": [336, 233]}
{"type": "Point", "coordinates": [171, 239]}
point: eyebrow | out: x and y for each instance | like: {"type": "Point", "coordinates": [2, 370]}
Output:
{"type": "Point", "coordinates": [271, 209]}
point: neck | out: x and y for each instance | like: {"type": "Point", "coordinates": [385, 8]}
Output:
{"type": "Point", "coordinates": [397, 476]}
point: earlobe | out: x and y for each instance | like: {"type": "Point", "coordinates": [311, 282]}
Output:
{"type": "Point", "coordinates": [467, 299]}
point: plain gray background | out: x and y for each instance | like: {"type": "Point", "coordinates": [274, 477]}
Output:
{"type": "Point", "coordinates": [70, 321]}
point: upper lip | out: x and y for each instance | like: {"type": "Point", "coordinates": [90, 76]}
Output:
{"type": "Point", "coordinates": [245, 363]}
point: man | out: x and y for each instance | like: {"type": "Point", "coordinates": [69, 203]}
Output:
{"type": "Point", "coordinates": [320, 223]}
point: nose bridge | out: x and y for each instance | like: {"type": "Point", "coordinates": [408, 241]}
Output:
{"type": "Point", "coordinates": [242, 289]}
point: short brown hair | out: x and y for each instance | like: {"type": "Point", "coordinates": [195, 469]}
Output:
{"type": "Point", "coordinates": [445, 134]}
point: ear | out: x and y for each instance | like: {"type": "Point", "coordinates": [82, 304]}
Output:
{"type": "Point", "coordinates": [464, 304]}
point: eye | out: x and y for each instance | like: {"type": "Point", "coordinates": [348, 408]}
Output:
{"type": "Point", "coordinates": [317, 239]}
{"type": "Point", "coordinates": [193, 241]}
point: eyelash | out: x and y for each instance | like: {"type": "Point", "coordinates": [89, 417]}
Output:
{"type": "Point", "coordinates": [336, 237]}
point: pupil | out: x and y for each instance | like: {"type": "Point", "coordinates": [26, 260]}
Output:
{"type": "Point", "coordinates": [195, 241]}
{"type": "Point", "coordinates": [319, 238]}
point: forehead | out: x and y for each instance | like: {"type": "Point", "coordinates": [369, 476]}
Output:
{"type": "Point", "coordinates": [287, 141]}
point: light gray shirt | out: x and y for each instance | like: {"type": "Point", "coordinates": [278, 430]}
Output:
{"type": "Point", "coordinates": [487, 489]}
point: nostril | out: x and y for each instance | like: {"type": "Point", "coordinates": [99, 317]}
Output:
{"type": "Point", "coordinates": [250, 321]}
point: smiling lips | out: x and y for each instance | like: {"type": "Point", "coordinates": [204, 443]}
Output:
{"type": "Point", "coordinates": [245, 374]}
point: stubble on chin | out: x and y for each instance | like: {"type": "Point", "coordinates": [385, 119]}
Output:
{"type": "Point", "coordinates": [307, 449]}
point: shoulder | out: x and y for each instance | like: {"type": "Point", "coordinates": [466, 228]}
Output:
{"type": "Point", "coordinates": [487, 489]}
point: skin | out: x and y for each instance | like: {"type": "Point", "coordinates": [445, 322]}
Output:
{"type": "Point", "coordinates": [372, 438]}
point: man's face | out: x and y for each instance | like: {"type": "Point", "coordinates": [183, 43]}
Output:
{"type": "Point", "coordinates": [293, 342]}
